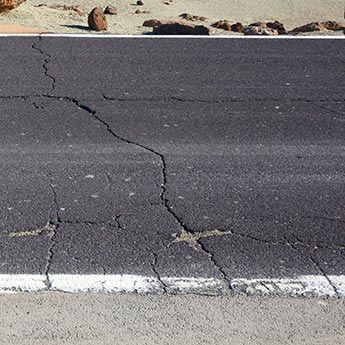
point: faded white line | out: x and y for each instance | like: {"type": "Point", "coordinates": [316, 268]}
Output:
{"type": "Point", "coordinates": [306, 285]}
{"type": "Point", "coordinates": [310, 285]}
{"type": "Point", "coordinates": [22, 282]}
{"type": "Point", "coordinates": [177, 36]}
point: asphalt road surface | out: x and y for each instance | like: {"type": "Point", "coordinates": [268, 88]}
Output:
{"type": "Point", "coordinates": [183, 165]}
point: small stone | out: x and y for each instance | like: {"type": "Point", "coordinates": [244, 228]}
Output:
{"type": "Point", "coordinates": [259, 31]}
{"type": "Point", "coordinates": [110, 10]}
{"type": "Point", "coordinates": [222, 24]}
{"type": "Point", "coordinates": [97, 20]}
{"type": "Point", "coordinates": [277, 26]}
{"type": "Point", "coordinates": [191, 17]}
{"type": "Point", "coordinates": [237, 27]}
{"type": "Point", "coordinates": [180, 28]}
{"type": "Point", "coordinates": [151, 23]}
{"type": "Point", "coordinates": [140, 3]}
{"type": "Point", "coordinates": [141, 12]}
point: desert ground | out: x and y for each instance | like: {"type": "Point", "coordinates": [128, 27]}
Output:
{"type": "Point", "coordinates": [40, 16]}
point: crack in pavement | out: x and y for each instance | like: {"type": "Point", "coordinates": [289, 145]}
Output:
{"type": "Point", "coordinates": [187, 235]}
{"type": "Point", "coordinates": [192, 239]}
{"type": "Point", "coordinates": [158, 276]}
{"type": "Point", "coordinates": [323, 273]}
{"type": "Point", "coordinates": [335, 112]}
{"type": "Point", "coordinates": [45, 62]}
{"type": "Point", "coordinates": [164, 200]}
{"type": "Point", "coordinates": [55, 224]}
{"type": "Point", "coordinates": [220, 101]}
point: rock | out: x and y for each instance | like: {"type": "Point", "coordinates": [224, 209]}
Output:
{"type": "Point", "coordinates": [110, 10]}
{"type": "Point", "coordinates": [140, 3]}
{"type": "Point", "coordinates": [151, 23]}
{"type": "Point", "coordinates": [259, 31]}
{"type": "Point", "coordinates": [317, 26]}
{"type": "Point", "coordinates": [7, 5]}
{"type": "Point", "coordinates": [334, 26]}
{"type": "Point", "coordinates": [141, 12]}
{"type": "Point", "coordinates": [180, 28]}
{"type": "Point", "coordinates": [237, 27]}
{"type": "Point", "coordinates": [222, 24]}
{"type": "Point", "coordinates": [277, 26]}
{"type": "Point", "coordinates": [96, 20]}
{"type": "Point", "coordinates": [192, 18]}
{"type": "Point", "coordinates": [262, 24]}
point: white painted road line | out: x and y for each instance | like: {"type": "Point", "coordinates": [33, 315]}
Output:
{"type": "Point", "coordinates": [22, 282]}
{"type": "Point", "coordinates": [307, 285]}
{"type": "Point", "coordinates": [178, 36]}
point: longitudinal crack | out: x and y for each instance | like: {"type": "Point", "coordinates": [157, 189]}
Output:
{"type": "Point", "coordinates": [55, 222]}
{"type": "Point", "coordinates": [45, 63]}
{"type": "Point", "coordinates": [220, 101]}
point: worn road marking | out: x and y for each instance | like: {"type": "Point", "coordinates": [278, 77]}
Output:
{"type": "Point", "coordinates": [307, 285]}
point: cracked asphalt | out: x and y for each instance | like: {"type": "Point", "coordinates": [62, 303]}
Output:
{"type": "Point", "coordinates": [182, 158]}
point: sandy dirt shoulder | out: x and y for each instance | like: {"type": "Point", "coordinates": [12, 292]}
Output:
{"type": "Point", "coordinates": [291, 12]}
{"type": "Point", "coordinates": [85, 319]}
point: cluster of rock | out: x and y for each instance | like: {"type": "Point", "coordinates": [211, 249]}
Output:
{"type": "Point", "coordinates": [7, 5]}
{"type": "Point", "coordinates": [97, 21]}
{"type": "Point", "coordinates": [167, 27]}
{"type": "Point", "coordinates": [275, 28]}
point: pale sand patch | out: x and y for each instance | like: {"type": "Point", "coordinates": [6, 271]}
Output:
{"type": "Point", "coordinates": [291, 12]}
{"type": "Point", "coordinates": [18, 29]}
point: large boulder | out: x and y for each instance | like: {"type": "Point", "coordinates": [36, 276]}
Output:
{"type": "Point", "coordinates": [97, 20]}
{"type": "Point", "coordinates": [6, 5]}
